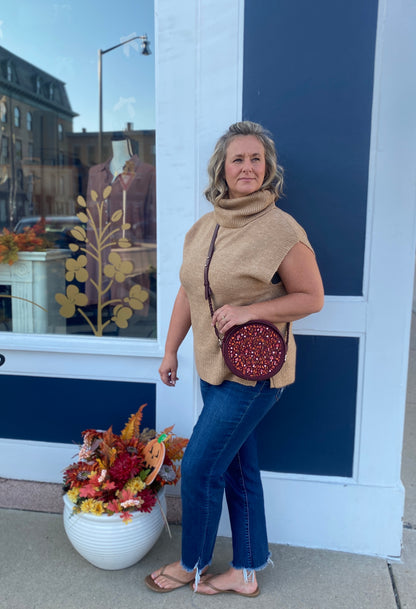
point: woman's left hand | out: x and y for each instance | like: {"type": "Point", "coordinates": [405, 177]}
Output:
{"type": "Point", "coordinates": [228, 316]}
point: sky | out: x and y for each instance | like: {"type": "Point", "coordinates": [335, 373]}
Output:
{"type": "Point", "coordinates": [62, 37]}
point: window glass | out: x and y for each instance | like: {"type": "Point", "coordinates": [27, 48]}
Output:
{"type": "Point", "coordinates": [4, 154]}
{"type": "Point", "coordinates": [18, 145]}
{"type": "Point", "coordinates": [77, 185]}
{"type": "Point", "coordinates": [3, 111]}
{"type": "Point", "coordinates": [17, 117]}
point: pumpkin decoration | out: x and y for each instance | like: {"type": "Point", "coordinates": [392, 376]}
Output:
{"type": "Point", "coordinates": [154, 455]}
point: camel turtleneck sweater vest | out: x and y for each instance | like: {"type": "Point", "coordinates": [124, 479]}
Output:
{"type": "Point", "coordinates": [253, 239]}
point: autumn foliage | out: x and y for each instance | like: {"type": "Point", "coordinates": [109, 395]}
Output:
{"type": "Point", "coordinates": [111, 472]}
{"type": "Point", "coordinates": [32, 239]}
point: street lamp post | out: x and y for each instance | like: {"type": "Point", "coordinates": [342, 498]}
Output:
{"type": "Point", "coordinates": [145, 51]}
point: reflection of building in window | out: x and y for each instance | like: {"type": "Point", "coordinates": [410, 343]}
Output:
{"type": "Point", "coordinates": [18, 150]}
{"type": "Point", "coordinates": [4, 149]}
{"type": "Point", "coordinates": [20, 178]}
{"type": "Point", "coordinates": [3, 112]}
{"type": "Point", "coordinates": [17, 116]}
{"type": "Point", "coordinates": [41, 151]}
{"type": "Point", "coordinates": [91, 155]}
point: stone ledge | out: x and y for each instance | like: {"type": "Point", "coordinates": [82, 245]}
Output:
{"type": "Point", "coordinates": [47, 497]}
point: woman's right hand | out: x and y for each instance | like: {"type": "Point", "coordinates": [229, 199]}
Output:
{"type": "Point", "coordinates": [180, 322]}
{"type": "Point", "coordinates": [168, 369]}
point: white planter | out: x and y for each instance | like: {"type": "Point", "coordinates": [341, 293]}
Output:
{"type": "Point", "coordinates": [107, 542]}
{"type": "Point", "coordinates": [35, 279]}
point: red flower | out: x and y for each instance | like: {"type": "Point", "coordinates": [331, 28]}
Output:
{"type": "Point", "coordinates": [125, 467]}
{"type": "Point", "coordinates": [149, 500]}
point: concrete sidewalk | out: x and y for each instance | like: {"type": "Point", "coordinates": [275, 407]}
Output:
{"type": "Point", "coordinates": [39, 569]}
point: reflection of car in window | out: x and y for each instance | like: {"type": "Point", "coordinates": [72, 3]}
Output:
{"type": "Point", "coordinates": [57, 228]}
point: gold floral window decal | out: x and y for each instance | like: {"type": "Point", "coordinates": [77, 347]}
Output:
{"type": "Point", "coordinates": [100, 266]}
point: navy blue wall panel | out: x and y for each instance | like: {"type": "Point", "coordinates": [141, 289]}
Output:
{"type": "Point", "coordinates": [311, 430]}
{"type": "Point", "coordinates": [308, 78]}
{"type": "Point", "coordinates": [58, 410]}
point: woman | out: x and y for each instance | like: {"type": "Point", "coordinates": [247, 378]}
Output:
{"type": "Point", "coordinates": [263, 267]}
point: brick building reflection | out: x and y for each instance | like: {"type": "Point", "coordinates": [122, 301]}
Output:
{"type": "Point", "coordinates": [43, 163]}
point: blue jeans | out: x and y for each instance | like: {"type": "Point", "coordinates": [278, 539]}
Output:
{"type": "Point", "coordinates": [222, 455]}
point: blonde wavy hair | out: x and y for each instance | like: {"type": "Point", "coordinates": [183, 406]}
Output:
{"type": "Point", "coordinates": [273, 179]}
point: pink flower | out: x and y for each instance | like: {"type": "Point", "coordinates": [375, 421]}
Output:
{"type": "Point", "coordinates": [126, 517]}
{"type": "Point", "coordinates": [88, 490]}
{"type": "Point", "coordinates": [114, 506]}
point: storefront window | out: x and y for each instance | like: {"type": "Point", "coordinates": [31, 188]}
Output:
{"type": "Point", "coordinates": [78, 211]}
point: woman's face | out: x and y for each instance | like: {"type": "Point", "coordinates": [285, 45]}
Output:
{"type": "Point", "coordinates": [245, 165]}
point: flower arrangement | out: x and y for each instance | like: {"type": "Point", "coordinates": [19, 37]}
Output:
{"type": "Point", "coordinates": [32, 239]}
{"type": "Point", "coordinates": [112, 474]}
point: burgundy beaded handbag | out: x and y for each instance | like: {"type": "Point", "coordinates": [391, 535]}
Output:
{"type": "Point", "coordinates": [254, 351]}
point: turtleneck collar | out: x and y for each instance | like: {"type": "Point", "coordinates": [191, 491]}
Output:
{"type": "Point", "coordinates": [234, 213]}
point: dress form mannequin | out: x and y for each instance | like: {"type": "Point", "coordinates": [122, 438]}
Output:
{"type": "Point", "coordinates": [121, 154]}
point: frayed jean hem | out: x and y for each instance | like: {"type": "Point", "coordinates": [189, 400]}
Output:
{"type": "Point", "coordinates": [248, 573]}
{"type": "Point", "coordinates": [198, 572]}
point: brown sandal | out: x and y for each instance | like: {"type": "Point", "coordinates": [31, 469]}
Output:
{"type": "Point", "coordinates": [206, 582]}
{"type": "Point", "coordinates": [151, 583]}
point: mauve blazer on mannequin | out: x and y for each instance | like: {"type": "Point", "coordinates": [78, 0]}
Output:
{"type": "Point", "coordinates": [140, 214]}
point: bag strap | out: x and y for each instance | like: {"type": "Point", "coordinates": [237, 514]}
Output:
{"type": "Point", "coordinates": [208, 291]}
